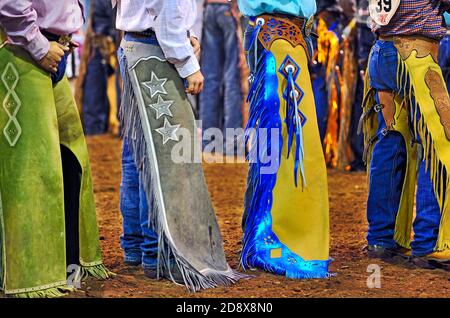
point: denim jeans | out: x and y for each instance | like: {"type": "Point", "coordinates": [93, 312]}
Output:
{"type": "Point", "coordinates": [357, 140]}
{"type": "Point", "coordinates": [444, 59]}
{"type": "Point", "coordinates": [388, 167]}
{"type": "Point", "coordinates": [320, 99]}
{"type": "Point", "coordinates": [221, 99]}
{"type": "Point", "coordinates": [139, 241]}
{"type": "Point", "coordinates": [95, 97]}
{"type": "Point", "coordinates": [364, 43]}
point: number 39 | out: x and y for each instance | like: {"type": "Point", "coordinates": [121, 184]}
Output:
{"type": "Point", "coordinates": [384, 5]}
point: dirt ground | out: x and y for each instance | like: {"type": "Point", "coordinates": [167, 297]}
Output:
{"type": "Point", "coordinates": [227, 185]}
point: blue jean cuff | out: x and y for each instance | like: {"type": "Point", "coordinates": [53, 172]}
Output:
{"type": "Point", "coordinates": [149, 266]}
{"type": "Point", "coordinates": [132, 258]}
{"type": "Point", "coordinates": [422, 254]}
{"type": "Point", "coordinates": [384, 245]}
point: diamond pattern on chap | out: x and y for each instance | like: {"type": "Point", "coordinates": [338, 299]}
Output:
{"type": "Point", "coordinates": [11, 104]}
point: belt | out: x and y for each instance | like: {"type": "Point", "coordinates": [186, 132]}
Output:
{"type": "Point", "coordinates": [144, 34]}
{"type": "Point", "coordinates": [405, 44]}
{"type": "Point", "coordinates": [61, 39]}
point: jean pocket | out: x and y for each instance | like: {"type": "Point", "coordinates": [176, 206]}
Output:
{"type": "Point", "coordinates": [390, 53]}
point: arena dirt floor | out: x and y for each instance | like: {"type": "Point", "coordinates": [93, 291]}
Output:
{"type": "Point", "coordinates": [227, 185]}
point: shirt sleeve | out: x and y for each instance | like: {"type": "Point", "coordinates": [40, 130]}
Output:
{"type": "Point", "coordinates": [18, 19]}
{"type": "Point", "coordinates": [172, 35]}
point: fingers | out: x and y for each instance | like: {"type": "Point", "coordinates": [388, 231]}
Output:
{"type": "Point", "coordinates": [195, 87]}
{"type": "Point", "coordinates": [192, 88]}
{"type": "Point", "coordinates": [48, 65]}
{"type": "Point", "coordinates": [52, 67]}
{"type": "Point", "coordinates": [63, 48]}
{"type": "Point", "coordinates": [201, 87]}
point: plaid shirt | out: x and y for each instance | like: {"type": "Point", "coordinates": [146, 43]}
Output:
{"type": "Point", "coordinates": [418, 17]}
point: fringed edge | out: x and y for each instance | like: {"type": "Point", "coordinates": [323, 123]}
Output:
{"type": "Point", "coordinates": [133, 131]}
{"type": "Point", "coordinates": [54, 292]}
{"type": "Point", "coordinates": [193, 279]}
{"type": "Point", "coordinates": [440, 177]}
{"type": "Point", "coordinates": [259, 118]}
{"type": "Point", "coordinates": [98, 272]}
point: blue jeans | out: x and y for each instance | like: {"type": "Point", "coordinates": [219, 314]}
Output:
{"type": "Point", "coordinates": [357, 141]}
{"type": "Point", "coordinates": [320, 99]}
{"type": "Point", "coordinates": [139, 241]}
{"type": "Point", "coordinates": [364, 43]}
{"type": "Point", "coordinates": [388, 167]}
{"type": "Point", "coordinates": [95, 97]}
{"type": "Point", "coordinates": [444, 59]}
{"type": "Point", "coordinates": [221, 99]}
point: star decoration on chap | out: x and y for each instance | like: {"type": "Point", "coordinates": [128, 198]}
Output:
{"type": "Point", "coordinates": [162, 107]}
{"type": "Point", "coordinates": [156, 85]}
{"type": "Point", "coordinates": [168, 131]}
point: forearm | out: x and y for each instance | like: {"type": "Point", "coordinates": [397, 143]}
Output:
{"type": "Point", "coordinates": [18, 19]}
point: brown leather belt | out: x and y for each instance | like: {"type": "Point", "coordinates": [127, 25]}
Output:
{"type": "Point", "coordinates": [406, 44]}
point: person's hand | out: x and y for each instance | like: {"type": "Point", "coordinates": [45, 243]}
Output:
{"type": "Point", "coordinates": [195, 83]}
{"type": "Point", "coordinates": [196, 46]}
{"type": "Point", "coordinates": [54, 55]}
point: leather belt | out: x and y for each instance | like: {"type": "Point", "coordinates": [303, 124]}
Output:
{"type": "Point", "coordinates": [406, 44]}
{"type": "Point", "coordinates": [61, 39]}
{"type": "Point", "coordinates": [144, 34]}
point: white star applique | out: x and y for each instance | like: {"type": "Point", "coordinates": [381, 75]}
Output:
{"type": "Point", "coordinates": [168, 131]}
{"type": "Point", "coordinates": [156, 85]}
{"type": "Point", "coordinates": [162, 107]}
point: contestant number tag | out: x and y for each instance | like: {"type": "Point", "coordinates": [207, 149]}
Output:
{"type": "Point", "coordinates": [382, 11]}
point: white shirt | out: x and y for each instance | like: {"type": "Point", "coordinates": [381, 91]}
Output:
{"type": "Point", "coordinates": [172, 22]}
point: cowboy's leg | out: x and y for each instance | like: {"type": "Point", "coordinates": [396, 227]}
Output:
{"type": "Point", "coordinates": [149, 245]}
{"type": "Point", "coordinates": [428, 215]}
{"type": "Point", "coordinates": [72, 138]}
{"type": "Point", "coordinates": [131, 238]}
{"type": "Point", "coordinates": [135, 237]}
{"type": "Point", "coordinates": [321, 99]}
{"type": "Point", "coordinates": [388, 163]}
{"type": "Point", "coordinates": [232, 97]}
{"type": "Point", "coordinates": [95, 97]}
{"type": "Point", "coordinates": [211, 98]}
